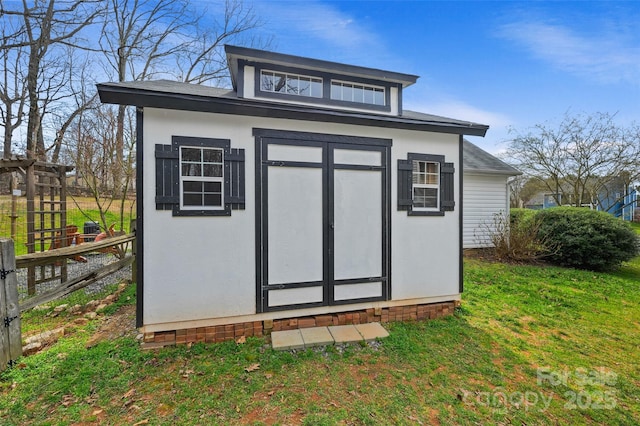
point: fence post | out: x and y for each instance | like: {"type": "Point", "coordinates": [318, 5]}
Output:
{"type": "Point", "coordinates": [10, 337]}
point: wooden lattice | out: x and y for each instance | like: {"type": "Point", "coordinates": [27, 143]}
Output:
{"type": "Point", "coordinates": [46, 214]}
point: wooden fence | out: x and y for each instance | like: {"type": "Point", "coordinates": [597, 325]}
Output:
{"type": "Point", "coordinates": [10, 337]}
{"type": "Point", "coordinates": [11, 307]}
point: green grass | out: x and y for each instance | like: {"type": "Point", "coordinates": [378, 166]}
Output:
{"type": "Point", "coordinates": [518, 328]}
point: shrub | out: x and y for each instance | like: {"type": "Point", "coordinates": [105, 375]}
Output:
{"type": "Point", "coordinates": [586, 239]}
{"type": "Point", "coordinates": [516, 238]}
{"type": "Point", "coordinates": [520, 216]}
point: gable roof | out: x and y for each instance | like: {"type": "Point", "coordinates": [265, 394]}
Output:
{"type": "Point", "coordinates": [477, 160]}
{"type": "Point", "coordinates": [195, 97]}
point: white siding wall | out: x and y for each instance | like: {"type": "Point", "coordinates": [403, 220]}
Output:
{"type": "Point", "coordinates": [485, 195]}
{"type": "Point", "coordinates": [201, 269]}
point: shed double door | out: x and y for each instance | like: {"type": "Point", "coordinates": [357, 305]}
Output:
{"type": "Point", "coordinates": [322, 220]}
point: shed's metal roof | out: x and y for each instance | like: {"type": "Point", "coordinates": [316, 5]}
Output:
{"type": "Point", "coordinates": [195, 97]}
{"type": "Point", "coordinates": [477, 160]}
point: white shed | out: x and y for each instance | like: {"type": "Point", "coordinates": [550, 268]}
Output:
{"type": "Point", "coordinates": [303, 196]}
{"type": "Point", "coordinates": [486, 193]}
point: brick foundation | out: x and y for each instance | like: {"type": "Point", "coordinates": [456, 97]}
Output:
{"type": "Point", "coordinates": [221, 333]}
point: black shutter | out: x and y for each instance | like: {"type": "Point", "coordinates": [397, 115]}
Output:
{"type": "Point", "coordinates": [167, 178]}
{"type": "Point", "coordinates": [405, 183]}
{"type": "Point", "coordinates": [447, 192]}
{"type": "Point", "coordinates": [234, 179]}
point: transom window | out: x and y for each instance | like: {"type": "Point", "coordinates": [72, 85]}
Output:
{"type": "Point", "coordinates": [426, 185]}
{"type": "Point", "coordinates": [291, 84]}
{"type": "Point", "coordinates": [360, 93]}
{"type": "Point", "coordinates": [201, 178]}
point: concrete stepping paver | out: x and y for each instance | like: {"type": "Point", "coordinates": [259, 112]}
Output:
{"type": "Point", "coordinates": [321, 336]}
{"type": "Point", "coordinates": [286, 340]}
{"type": "Point", "coordinates": [345, 333]}
{"type": "Point", "coordinates": [316, 336]}
{"type": "Point", "coordinates": [372, 331]}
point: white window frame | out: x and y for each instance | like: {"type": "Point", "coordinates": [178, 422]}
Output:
{"type": "Point", "coordinates": [435, 186]}
{"type": "Point", "coordinates": [201, 178]}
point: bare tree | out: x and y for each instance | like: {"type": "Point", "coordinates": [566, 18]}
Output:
{"type": "Point", "coordinates": [579, 158]}
{"type": "Point", "coordinates": [146, 38]}
{"type": "Point", "coordinates": [202, 58]}
{"type": "Point", "coordinates": [91, 144]}
{"type": "Point", "coordinates": [45, 27]}
{"type": "Point", "coordinates": [143, 39]}
{"type": "Point", "coordinates": [13, 92]}
{"type": "Point", "coordinates": [522, 189]}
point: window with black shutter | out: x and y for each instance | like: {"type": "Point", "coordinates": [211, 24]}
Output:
{"type": "Point", "coordinates": [199, 177]}
{"type": "Point", "coordinates": [425, 185]}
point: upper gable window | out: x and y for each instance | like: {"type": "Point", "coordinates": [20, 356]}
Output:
{"type": "Point", "coordinates": [299, 85]}
{"type": "Point", "coordinates": [359, 93]}
{"type": "Point", "coordinates": [291, 84]}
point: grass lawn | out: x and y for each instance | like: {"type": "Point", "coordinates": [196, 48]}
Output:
{"type": "Point", "coordinates": [530, 345]}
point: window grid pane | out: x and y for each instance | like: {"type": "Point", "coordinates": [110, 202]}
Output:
{"type": "Point", "coordinates": [201, 177]}
{"type": "Point", "coordinates": [425, 197]}
{"type": "Point", "coordinates": [291, 84]}
{"type": "Point", "coordinates": [426, 173]}
{"type": "Point", "coordinates": [426, 181]}
{"type": "Point", "coordinates": [360, 93]}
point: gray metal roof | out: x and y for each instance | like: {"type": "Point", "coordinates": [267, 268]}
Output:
{"type": "Point", "coordinates": [195, 97]}
{"type": "Point", "coordinates": [477, 160]}
{"type": "Point", "coordinates": [174, 87]}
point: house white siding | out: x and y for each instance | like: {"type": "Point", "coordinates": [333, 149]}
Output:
{"type": "Point", "coordinates": [484, 196]}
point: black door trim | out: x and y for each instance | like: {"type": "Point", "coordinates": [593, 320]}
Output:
{"type": "Point", "coordinates": [328, 142]}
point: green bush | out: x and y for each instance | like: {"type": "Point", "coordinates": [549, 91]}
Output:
{"type": "Point", "coordinates": [521, 216]}
{"type": "Point", "coordinates": [586, 239]}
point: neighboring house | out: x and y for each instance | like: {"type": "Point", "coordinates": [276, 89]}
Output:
{"type": "Point", "coordinates": [304, 196]}
{"type": "Point", "coordinates": [616, 198]}
{"type": "Point", "coordinates": [619, 199]}
{"type": "Point", "coordinates": [545, 200]}
{"type": "Point", "coordinates": [486, 194]}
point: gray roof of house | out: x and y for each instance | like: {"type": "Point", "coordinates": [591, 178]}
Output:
{"type": "Point", "coordinates": [477, 160]}
{"type": "Point", "coordinates": [196, 97]}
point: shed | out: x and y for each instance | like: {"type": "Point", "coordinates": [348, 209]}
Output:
{"type": "Point", "coordinates": [305, 195]}
{"type": "Point", "coordinates": [486, 193]}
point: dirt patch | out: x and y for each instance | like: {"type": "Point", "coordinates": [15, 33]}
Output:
{"type": "Point", "coordinates": [121, 323]}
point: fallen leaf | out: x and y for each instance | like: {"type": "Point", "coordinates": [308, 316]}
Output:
{"type": "Point", "coordinates": [186, 373]}
{"type": "Point", "coordinates": [415, 420]}
{"type": "Point", "coordinates": [270, 393]}
{"type": "Point", "coordinates": [252, 367]}
{"type": "Point", "coordinates": [268, 375]}
{"type": "Point", "coordinates": [142, 422]}
{"type": "Point", "coordinates": [67, 400]}
{"type": "Point", "coordinates": [240, 340]}
{"type": "Point", "coordinates": [129, 393]}
{"type": "Point", "coordinates": [97, 412]}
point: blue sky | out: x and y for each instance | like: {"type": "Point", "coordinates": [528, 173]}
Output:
{"type": "Point", "coordinates": [505, 64]}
